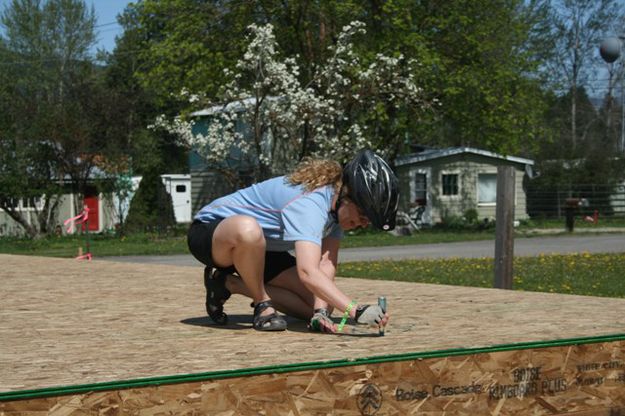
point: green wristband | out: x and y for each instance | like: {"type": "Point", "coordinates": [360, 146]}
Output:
{"type": "Point", "coordinates": [346, 315]}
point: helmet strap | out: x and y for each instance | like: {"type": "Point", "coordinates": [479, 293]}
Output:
{"type": "Point", "coordinates": [335, 211]}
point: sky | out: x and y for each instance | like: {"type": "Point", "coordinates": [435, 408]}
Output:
{"type": "Point", "coordinates": [106, 12]}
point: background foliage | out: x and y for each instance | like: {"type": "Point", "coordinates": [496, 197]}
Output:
{"type": "Point", "coordinates": [518, 77]}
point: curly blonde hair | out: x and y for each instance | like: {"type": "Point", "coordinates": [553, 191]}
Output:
{"type": "Point", "coordinates": [315, 173]}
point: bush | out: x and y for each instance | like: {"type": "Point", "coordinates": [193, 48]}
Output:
{"type": "Point", "coordinates": [468, 222]}
{"type": "Point", "coordinates": [470, 216]}
{"type": "Point", "coordinates": [151, 209]}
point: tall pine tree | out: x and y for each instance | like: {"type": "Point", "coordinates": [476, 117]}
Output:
{"type": "Point", "coordinates": [151, 208]}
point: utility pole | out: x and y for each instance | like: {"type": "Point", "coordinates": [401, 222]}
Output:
{"type": "Point", "coordinates": [610, 51]}
{"type": "Point", "coordinates": [504, 239]}
{"type": "Point", "coordinates": [623, 112]}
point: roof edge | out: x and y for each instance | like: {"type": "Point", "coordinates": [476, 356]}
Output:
{"type": "Point", "coordinates": [452, 151]}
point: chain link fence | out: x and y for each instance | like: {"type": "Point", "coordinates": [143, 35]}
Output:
{"type": "Point", "coordinates": [592, 201]}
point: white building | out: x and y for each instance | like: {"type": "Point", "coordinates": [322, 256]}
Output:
{"type": "Point", "coordinates": [104, 209]}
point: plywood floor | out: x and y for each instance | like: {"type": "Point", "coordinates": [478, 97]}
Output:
{"type": "Point", "coordinates": [65, 322]}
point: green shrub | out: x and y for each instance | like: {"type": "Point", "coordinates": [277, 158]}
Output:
{"type": "Point", "coordinates": [151, 209]}
{"type": "Point", "coordinates": [470, 216]}
{"type": "Point", "coordinates": [468, 222]}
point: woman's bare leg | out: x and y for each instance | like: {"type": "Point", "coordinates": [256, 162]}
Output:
{"type": "Point", "coordinates": [285, 300]}
{"type": "Point", "coordinates": [287, 291]}
{"type": "Point", "coordinates": [239, 241]}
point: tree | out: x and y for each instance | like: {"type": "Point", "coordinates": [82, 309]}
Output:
{"type": "Point", "coordinates": [589, 171]}
{"type": "Point", "coordinates": [485, 73]}
{"type": "Point", "coordinates": [27, 179]}
{"type": "Point", "coordinates": [181, 43]}
{"type": "Point", "coordinates": [480, 58]}
{"type": "Point", "coordinates": [44, 48]}
{"type": "Point", "coordinates": [188, 44]}
{"type": "Point", "coordinates": [590, 127]}
{"type": "Point", "coordinates": [330, 116]}
{"type": "Point", "coordinates": [579, 26]}
{"type": "Point", "coordinates": [151, 207]}
{"type": "Point", "coordinates": [61, 115]}
{"type": "Point", "coordinates": [141, 96]}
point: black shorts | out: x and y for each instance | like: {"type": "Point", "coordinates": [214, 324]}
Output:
{"type": "Point", "coordinates": [200, 242]}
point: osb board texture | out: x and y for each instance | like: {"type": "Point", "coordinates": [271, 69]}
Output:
{"type": "Point", "coordinates": [67, 322]}
{"type": "Point", "coordinates": [582, 380]}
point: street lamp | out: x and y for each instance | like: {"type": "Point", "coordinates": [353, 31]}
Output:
{"type": "Point", "coordinates": [610, 51]}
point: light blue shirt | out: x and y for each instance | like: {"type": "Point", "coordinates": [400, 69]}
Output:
{"type": "Point", "coordinates": [285, 212]}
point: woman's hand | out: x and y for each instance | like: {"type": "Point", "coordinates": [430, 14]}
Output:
{"type": "Point", "coordinates": [321, 322]}
{"type": "Point", "coordinates": [371, 315]}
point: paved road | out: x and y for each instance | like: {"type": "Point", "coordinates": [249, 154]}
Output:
{"type": "Point", "coordinates": [605, 243]}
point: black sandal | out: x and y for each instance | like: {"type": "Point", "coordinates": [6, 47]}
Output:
{"type": "Point", "coordinates": [271, 322]}
{"type": "Point", "coordinates": [216, 295]}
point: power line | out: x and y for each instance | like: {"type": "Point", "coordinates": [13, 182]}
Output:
{"type": "Point", "coordinates": [108, 24]}
{"type": "Point", "coordinates": [125, 53]}
{"type": "Point", "coordinates": [112, 29]}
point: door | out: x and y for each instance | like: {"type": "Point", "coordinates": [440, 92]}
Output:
{"type": "Point", "coordinates": [181, 196]}
{"type": "Point", "coordinates": [179, 187]}
{"type": "Point", "coordinates": [419, 188]}
{"type": "Point", "coordinates": [92, 202]}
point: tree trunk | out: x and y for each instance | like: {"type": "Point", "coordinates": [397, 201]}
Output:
{"type": "Point", "coordinates": [17, 216]}
{"type": "Point", "coordinates": [573, 118]}
{"type": "Point", "coordinates": [48, 215]}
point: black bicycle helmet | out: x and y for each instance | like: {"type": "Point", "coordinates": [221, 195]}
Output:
{"type": "Point", "coordinates": [373, 187]}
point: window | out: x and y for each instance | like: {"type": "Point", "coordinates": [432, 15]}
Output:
{"type": "Point", "coordinates": [487, 188]}
{"type": "Point", "coordinates": [32, 203]}
{"type": "Point", "coordinates": [25, 204]}
{"type": "Point", "coordinates": [420, 189]}
{"type": "Point", "coordinates": [181, 188]}
{"type": "Point", "coordinates": [450, 184]}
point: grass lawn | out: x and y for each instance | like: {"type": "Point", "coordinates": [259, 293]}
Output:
{"type": "Point", "coordinates": [175, 243]}
{"type": "Point", "coordinates": [580, 274]}
{"type": "Point", "coordinates": [101, 245]}
{"type": "Point", "coordinates": [146, 244]}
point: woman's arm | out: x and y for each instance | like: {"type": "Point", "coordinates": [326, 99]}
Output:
{"type": "Point", "coordinates": [330, 255]}
{"type": "Point", "coordinates": [319, 279]}
{"type": "Point", "coordinates": [328, 265]}
{"type": "Point", "coordinates": [317, 271]}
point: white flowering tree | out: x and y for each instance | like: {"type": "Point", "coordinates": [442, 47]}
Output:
{"type": "Point", "coordinates": [283, 119]}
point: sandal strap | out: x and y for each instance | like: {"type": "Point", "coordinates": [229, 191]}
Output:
{"type": "Point", "coordinates": [322, 311]}
{"type": "Point", "coordinates": [216, 294]}
{"type": "Point", "coordinates": [220, 277]}
{"type": "Point", "coordinates": [276, 322]}
{"type": "Point", "coordinates": [261, 306]}
{"type": "Point", "coordinates": [260, 321]}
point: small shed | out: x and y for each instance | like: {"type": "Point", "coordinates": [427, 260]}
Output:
{"type": "Point", "coordinates": [448, 182]}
